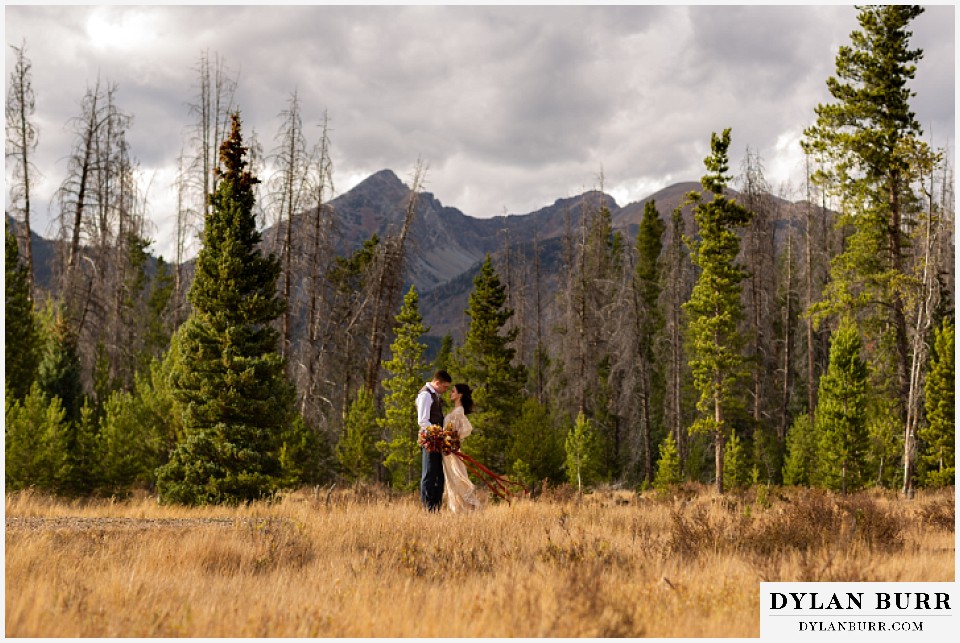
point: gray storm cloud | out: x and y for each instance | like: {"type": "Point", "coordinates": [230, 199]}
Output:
{"type": "Point", "coordinates": [511, 107]}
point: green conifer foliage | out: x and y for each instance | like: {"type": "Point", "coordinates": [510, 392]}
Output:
{"type": "Point", "coordinates": [80, 474]}
{"type": "Point", "coordinates": [130, 446]}
{"type": "Point", "coordinates": [584, 451]}
{"type": "Point", "coordinates": [35, 431]}
{"type": "Point", "coordinates": [21, 335]}
{"type": "Point", "coordinates": [537, 440]}
{"type": "Point", "coordinates": [736, 462]}
{"type": "Point", "coordinates": [714, 307]}
{"type": "Point", "coordinates": [841, 416]}
{"type": "Point", "coordinates": [406, 368]}
{"type": "Point", "coordinates": [357, 451]}
{"type": "Point", "coordinates": [59, 372]}
{"type": "Point", "coordinates": [939, 434]}
{"type": "Point", "coordinates": [869, 141]}
{"type": "Point", "coordinates": [485, 363]}
{"type": "Point", "coordinates": [158, 331]}
{"type": "Point", "coordinates": [444, 360]}
{"type": "Point", "coordinates": [650, 323]}
{"type": "Point", "coordinates": [229, 383]}
{"type": "Point", "coordinates": [668, 467]}
{"type": "Point", "coordinates": [799, 466]}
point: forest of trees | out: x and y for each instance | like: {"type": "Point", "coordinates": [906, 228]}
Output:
{"type": "Point", "coordinates": [741, 344]}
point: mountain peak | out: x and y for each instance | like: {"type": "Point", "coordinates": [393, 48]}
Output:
{"type": "Point", "coordinates": [384, 179]}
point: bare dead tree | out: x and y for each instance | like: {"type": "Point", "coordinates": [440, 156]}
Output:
{"type": "Point", "coordinates": [321, 244]}
{"type": "Point", "coordinates": [758, 255]}
{"type": "Point", "coordinates": [924, 301]}
{"type": "Point", "coordinates": [788, 339]}
{"type": "Point", "coordinates": [186, 216]}
{"type": "Point", "coordinates": [288, 190]}
{"type": "Point", "coordinates": [540, 349]}
{"type": "Point", "coordinates": [808, 282]}
{"type": "Point", "coordinates": [390, 280]}
{"type": "Point", "coordinates": [21, 141]}
{"type": "Point", "coordinates": [214, 103]}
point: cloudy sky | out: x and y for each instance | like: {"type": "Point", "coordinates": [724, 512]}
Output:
{"type": "Point", "coordinates": [510, 107]}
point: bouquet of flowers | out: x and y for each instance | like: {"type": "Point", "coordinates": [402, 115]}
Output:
{"type": "Point", "coordinates": [451, 440]}
{"type": "Point", "coordinates": [436, 439]}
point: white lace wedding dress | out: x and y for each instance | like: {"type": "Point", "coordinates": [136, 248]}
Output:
{"type": "Point", "coordinates": [460, 492]}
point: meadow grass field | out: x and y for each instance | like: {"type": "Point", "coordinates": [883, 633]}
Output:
{"type": "Point", "coordinates": [363, 562]}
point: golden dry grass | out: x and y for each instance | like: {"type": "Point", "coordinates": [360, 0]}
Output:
{"type": "Point", "coordinates": [364, 563]}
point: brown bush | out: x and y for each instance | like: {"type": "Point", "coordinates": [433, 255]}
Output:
{"type": "Point", "coordinates": [940, 513]}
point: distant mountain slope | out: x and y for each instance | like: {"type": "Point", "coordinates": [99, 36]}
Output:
{"type": "Point", "coordinates": [446, 247]}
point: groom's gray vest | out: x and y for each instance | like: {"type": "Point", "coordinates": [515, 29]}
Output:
{"type": "Point", "coordinates": [436, 411]}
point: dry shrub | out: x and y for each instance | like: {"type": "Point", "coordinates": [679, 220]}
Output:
{"type": "Point", "coordinates": [557, 494]}
{"type": "Point", "coordinates": [690, 535]}
{"type": "Point", "coordinates": [875, 526]}
{"type": "Point", "coordinates": [940, 513]}
{"type": "Point", "coordinates": [805, 522]}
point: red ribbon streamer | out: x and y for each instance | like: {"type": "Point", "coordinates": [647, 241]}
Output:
{"type": "Point", "coordinates": [479, 470]}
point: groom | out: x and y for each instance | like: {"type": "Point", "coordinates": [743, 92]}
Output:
{"type": "Point", "coordinates": [430, 412]}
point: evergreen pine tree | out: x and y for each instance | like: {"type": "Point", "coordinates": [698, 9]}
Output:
{"type": "Point", "coordinates": [799, 465]}
{"type": "Point", "coordinates": [484, 361]}
{"type": "Point", "coordinates": [229, 383]}
{"type": "Point", "coordinates": [21, 335]}
{"type": "Point", "coordinates": [584, 453]}
{"type": "Point", "coordinates": [158, 328]}
{"type": "Point", "coordinates": [80, 473]}
{"type": "Point", "coordinates": [357, 449]}
{"type": "Point", "coordinates": [841, 413]}
{"type": "Point", "coordinates": [736, 462]}
{"type": "Point", "coordinates": [939, 434]}
{"type": "Point", "coordinates": [444, 359]}
{"type": "Point", "coordinates": [35, 431]}
{"type": "Point", "coordinates": [668, 467]}
{"type": "Point", "coordinates": [869, 140]}
{"type": "Point", "coordinates": [305, 456]}
{"type": "Point", "coordinates": [714, 307]}
{"type": "Point", "coordinates": [124, 444]}
{"type": "Point", "coordinates": [59, 371]}
{"type": "Point", "coordinates": [406, 368]}
{"type": "Point", "coordinates": [138, 430]}
{"type": "Point", "coordinates": [536, 440]}
{"type": "Point", "coordinates": [649, 324]}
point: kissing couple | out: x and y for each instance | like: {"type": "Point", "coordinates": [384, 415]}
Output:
{"type": "Point", "coordinates": [445, 472]}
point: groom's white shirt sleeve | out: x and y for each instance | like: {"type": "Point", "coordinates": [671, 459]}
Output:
{"type": "Point", "coordinates": [423, 407]}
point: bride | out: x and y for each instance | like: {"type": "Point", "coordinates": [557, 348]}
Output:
{"type": "Point", "coordinates": [460, 492]}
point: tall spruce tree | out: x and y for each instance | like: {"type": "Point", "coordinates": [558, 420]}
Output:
{"type": "Point", "coordinates": [59, 373]}
{"type": "Point", "coordinates": [229, 382]}
{"type": "Point", "coordinates": [357, 448]}
{"type": "Point", "coordinates": [939, 434]}
{"type": "Point", "coordinates": [406, 368]}
{"type": "Point", "coordinates": [714, 307]}
{"type": "Point", "coordinates": [649, 322]}
{"type": "Point", "coordinates": [21, 336]}
{"type": "Point", "coordinates": [484, 362]}
{"type": "Point", "coordinates": [841, 417]}
{"type": "Point", "coordinates": [870, 141]}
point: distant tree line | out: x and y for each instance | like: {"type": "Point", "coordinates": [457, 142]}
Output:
{"type": "Point", "coordinates": [730, 342]}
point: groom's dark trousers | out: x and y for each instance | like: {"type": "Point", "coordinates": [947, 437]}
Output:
{"type": "Point", "coordinates": [431, 481]}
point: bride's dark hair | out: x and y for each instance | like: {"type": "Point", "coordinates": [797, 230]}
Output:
{"type": "Point", "coordinates": [467, 399]}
